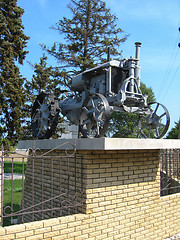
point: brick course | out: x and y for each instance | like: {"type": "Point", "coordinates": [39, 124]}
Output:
{"type": "Point", "coordinates": [121, 201]}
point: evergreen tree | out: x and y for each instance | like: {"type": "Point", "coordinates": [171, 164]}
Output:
{"type": "Point", "coordinates": [173, 133]}
{"type": "Point", "coordinates": [12, 44]}
{"type": "Point", "coordinates": [88, 34]}
{"type": "Point", "coordinates": [43, 79]}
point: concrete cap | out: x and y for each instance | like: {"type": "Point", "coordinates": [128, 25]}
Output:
{"type": "Point", "coordinates": [101, 144]}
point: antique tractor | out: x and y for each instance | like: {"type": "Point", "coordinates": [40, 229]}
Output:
{"type": "Point", "coordinates": [94, 95]}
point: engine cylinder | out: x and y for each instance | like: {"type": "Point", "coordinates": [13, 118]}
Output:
{"type": "Point", "coordinates": [77, 83]}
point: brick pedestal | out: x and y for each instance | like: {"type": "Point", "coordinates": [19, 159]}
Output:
{"type": "Point", "coordinates": [121, 190]}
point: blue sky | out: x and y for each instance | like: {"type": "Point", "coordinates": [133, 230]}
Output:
{"type": "Point", "coordinates": [155, 23]}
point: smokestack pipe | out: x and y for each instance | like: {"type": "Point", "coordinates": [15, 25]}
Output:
{"type": "Point", "coordinates": [108, 54]}
{"type": "Point", "coordinates": [138, 45]}
{"type": "Point", "coordinates": [137, 70]}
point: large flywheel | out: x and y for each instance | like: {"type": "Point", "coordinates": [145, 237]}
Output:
{"type": "Point", "coordinates": [154, 123]}
{"type": "Point", "coordinates": [94, 117]}
{"type": "Point", "coordinates": [44, 115]}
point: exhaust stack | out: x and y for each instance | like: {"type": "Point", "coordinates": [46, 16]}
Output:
{"type": "Point", "coordinates": [138, 45]}
{"type": "Point", "coordinates": [137, 68]}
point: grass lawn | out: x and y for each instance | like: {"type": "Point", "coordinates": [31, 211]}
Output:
{"type": "Point", "coordinates": [17, 189]}
{"type": "Point", "coordinates": [17, 167]}
{"type": "Point", "coordinates": [17, 197]}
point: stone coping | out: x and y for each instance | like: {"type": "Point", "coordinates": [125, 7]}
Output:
{"type": "Point", "coordinates": [101, 144]}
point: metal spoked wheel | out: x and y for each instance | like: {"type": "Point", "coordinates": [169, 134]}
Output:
{"type": "Point", "coordinates": [44, 115]}
{"type": "Point", "coordinates": [94, 117]}
{"type": "Point", "coordinates": [155, 122]}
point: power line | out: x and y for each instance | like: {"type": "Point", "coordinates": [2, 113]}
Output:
{"type": "Point", "coordinates": [169, 69]}
{"type": "Point", "coordinates": [170, 66]}
{"type": "Point", "coordinates": [169, 86]}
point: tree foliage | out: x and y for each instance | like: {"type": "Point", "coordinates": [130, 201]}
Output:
{"type": "Point", "coordinates": [44, 79]}
{"type": "Point", "coordinates": [12, 44]}
{"type": "Point", "coordinates": [125, 125]}
{"type": "Point", "coordinates": [173, 133]}
{"type": "Point", "coordinates": [88, 34]}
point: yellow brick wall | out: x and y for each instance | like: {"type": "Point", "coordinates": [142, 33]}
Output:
{"type": "Point", "coordinates": [48, 178]}
{"type": "Point", "coordinates": [122, 201]}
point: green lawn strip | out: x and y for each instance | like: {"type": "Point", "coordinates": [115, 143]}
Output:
{"type": "Point", "coordinates": [17, 167]}
{"type": "Point", "coordinates": [17, 189]}
{"type": "Point", "coordinates": [17, 197]}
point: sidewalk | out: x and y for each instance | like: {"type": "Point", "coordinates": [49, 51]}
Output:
{"type": "Point", "coordinates": [8, 176]}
